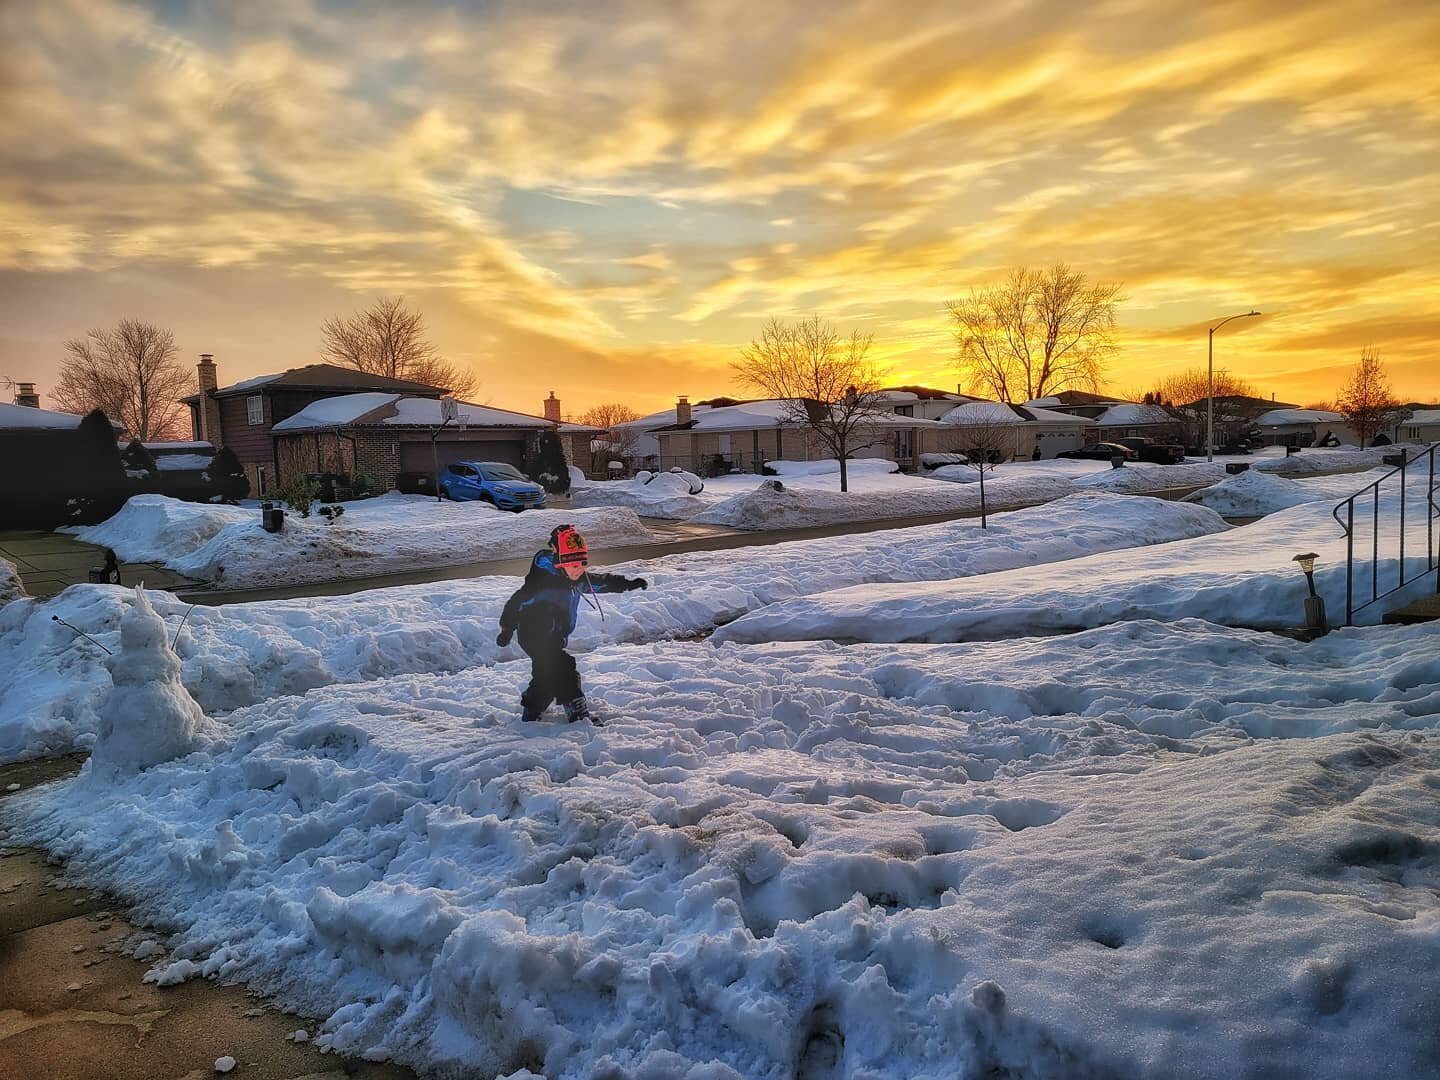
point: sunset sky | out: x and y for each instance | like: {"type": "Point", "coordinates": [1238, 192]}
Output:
{"type": "Point", "coordinates": [608, 199]}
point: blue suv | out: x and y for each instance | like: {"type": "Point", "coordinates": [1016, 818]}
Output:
{"type": "Point", "coordinates": [490, 481]}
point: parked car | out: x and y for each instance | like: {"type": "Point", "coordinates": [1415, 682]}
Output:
{"type": "Point", "coordinates": [1152, 451]}
{"type": "Point", "coordinates": [490, 481]}
{"type": "Point", "coordinates": [1100, 451]}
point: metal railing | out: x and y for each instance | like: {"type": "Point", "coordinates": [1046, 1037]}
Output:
{"type": "Point", "coordinates": [1345, 515]}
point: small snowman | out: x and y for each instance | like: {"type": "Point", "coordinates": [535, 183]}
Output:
{"type": "Point", "coordinates": [149, 716]}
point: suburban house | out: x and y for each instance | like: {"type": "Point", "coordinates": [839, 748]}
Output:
{"type": "Point", "coordinates": [1422, 426]}
{"type": "Point", "coordinates": [242, 414]}
{"type": "Point", "coordinates": [384, 435]}
{"type": "Point", "coordinates": [325, 418]}
{"type": "Point", "coordinates": [1077, 403]}
{"type": "Point", "coordinates": [635, 441]}
{"type": "Point", "coordinates": [1304, 427]}
{"type": "Point", "coordinates": [745, 436]}
{"type": "Point", "coordinates": [1015, 432]}
{"type": "Point", "coordinates": [1134, 419]}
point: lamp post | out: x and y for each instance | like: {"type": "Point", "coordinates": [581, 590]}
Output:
{"type": "Point", "coordinates": [1210, 386]}
{"type": "Point", "coordinates": [1314, 603]}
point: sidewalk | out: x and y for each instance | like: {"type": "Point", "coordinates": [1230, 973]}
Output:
{"type": "Point", "coordinates": [72, 1007]}
{"type": "Point", "coordinates": [49, 562]}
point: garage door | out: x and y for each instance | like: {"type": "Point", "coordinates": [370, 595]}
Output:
{"type": "Point", "coordinates": [1054, 442]}
{"type": "Point", "coordinates": [416, 456]}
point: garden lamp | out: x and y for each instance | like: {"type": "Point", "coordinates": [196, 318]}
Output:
{"type": "Point", "coordinates": [1314, 603]}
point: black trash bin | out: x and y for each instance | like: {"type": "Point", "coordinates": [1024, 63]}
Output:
{"type": "Point", "coordinates": [1235, 468]}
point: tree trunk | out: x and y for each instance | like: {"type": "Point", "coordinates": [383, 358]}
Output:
{"type": "Point", "coordinates": [844, 485]}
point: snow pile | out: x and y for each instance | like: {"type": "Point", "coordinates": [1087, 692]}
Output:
{"type": "Point", "coordinates": [1243, 577]}
{"type": "Point", "coordinates": [1313, 461]}
{"type": "Point", "coordinates": [1141, 476]}
{"type": "Point", "coordinates": [228, 547]}
{"type": "Point", "coordinates": [794, 506]}
{"type": "Point", "coordinates": [148, 717]}
{"type": "Point", "coordinates": [1057, 857]}
{"type": "Point", "coordinates": [11, 587]}
{"type": "Point", "coordinates": [855, 468]}
{"type": "Point", "coordinates": [659, 495]}
{"type": "Point", "coordinates": [1255, 493]}
{"type": "Point", "coordinates": [52, 683]}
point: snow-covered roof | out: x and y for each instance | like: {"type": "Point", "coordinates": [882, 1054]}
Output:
{"type": "Point", "coordinates": [183, 462]}
{"type": "Point", "coordinates": [177, 446]}
{"type": "Point", "coordinates": [1277, 417]}
{"type": "Point", "coordinates": [997, 412]}
{"type": "Point", "coordinates": [23, 416]}
{"type": "Point", "coordinates": [248, 384]}
{"type": "Point", "coordinates": [658, 419]}
{"type": "Point", "coordinates": [773, 413]}
{"type": "Point", "coordinates": [1424, 417]}
{"type": "Point", "coordinates": [335, 411]}
{"type": "Point", "coordinates": [364, 410]}
{"type": "Point", "coordinates": [1132, 413]}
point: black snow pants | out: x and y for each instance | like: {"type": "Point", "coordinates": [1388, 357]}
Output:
{"type": "Point", "coordinates": [552, 670]}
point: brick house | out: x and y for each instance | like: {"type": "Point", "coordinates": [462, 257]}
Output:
{"type": "Point", "coordinates": [384, 435]}
{"type": "Point", "coordinates": [243, 414]}
{"type": "Point", "coordinates": [746, 435]}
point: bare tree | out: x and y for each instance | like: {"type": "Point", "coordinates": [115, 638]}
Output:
{"type": "Point", "coordinates": [618, 442]}
{"type": "Point", "coordinates": [1186, 394]}
{"type": "Point", "coordinates": [388, 338]}
{"type": "Point", "coordinates": [132, 374]}
{"type": "Point", "coordinates": [606, 417]}
{"type": "Point", "coordinates": [986, 440]}
{"type": "Point", "coordinates": [824, 383]}
{"type": "Point", "coordinates": [1366, 401]}
{"type": "Point", "coordinates": [1036, 333]}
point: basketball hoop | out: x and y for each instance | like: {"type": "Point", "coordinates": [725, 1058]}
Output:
{"type": "Point", "coordinates": [449, 410]}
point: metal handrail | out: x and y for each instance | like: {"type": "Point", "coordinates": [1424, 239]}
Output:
{"type": "Point", "coordinates": [1347, 527]}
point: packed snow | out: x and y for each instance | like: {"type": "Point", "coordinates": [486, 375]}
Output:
{"type": "Point", "coordinates": [52, 685]}
{"type": "Point", "coordinates": [1244, 577]}
{"type": "Point", "coordinates": [1255, 493]}
{"type": "Point", "coordinates": [1142, 851]}
{"type": "Point", "coordinates": [11, 587]}
{"type": "Point", "coordinates": [658, 495]}
{"type": "Point", "coordinates": [228, 547]}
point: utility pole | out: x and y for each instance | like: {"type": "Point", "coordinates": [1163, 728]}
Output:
{"type": "Point", "coordinates": [1210, 386]}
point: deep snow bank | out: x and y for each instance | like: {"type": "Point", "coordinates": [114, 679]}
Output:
{"type": "Point", "coordinates": [1255, 494]}
{"type": "Point", "coordinates": [1059, 857]}
{"type": "Point", "coordinates": [226, 545]}
{"type": "Point", "coordinates": [663, 495]}
{"type": "Point", "coordinates": [1245, 577]}
{"type": "Point", "coordinates": [51, 682]}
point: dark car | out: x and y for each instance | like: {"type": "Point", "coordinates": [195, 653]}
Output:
{"type": "Point", "coordinates": [1100, 451]}
{"type": "Point", "coordinates": [1152, 451]}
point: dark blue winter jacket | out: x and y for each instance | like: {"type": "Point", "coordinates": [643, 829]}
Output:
{"type": "Point", "coordinates": [548, 601]}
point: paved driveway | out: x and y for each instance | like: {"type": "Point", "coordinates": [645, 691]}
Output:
{"type": "Point", "coordinates": [48, 562]}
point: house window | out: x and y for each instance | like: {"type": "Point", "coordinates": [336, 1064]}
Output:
{"type": "Point", "coordinates": [904, 444]}
{"type": "Point", "coordinates": [904, 410]}
{"type": "Point", "coordinates": [260, 480]}
{"type": "Point", "coordinates": [255, 410]}
{"type": "Point", "coordinates": [1413, 434]}
{"type": "Point", "coordinates": [725, 445]}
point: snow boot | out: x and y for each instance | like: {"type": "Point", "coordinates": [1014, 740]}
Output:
{"type": "Point", "coordinates": [577, 710]}
{"type": "Point", "coordinates": [531, 716]}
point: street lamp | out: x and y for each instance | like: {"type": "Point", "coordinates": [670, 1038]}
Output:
{"type": "Point", "coordinates": [1210, 386]}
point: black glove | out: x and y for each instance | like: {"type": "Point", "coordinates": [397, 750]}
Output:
{"type": "Point", "coordinates": [503, 638]}
{"type": "Point", "coordinates": [638, 583]}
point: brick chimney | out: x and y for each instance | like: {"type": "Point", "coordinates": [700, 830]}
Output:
{"type": "Point", "coordinates": [682, 409]}
{"type": "Point", "coordinates": [25, 395]}
{"type": "Point", "coordinates": [209, 408]}
{"type": "Point", "coordinates": [552, 408]}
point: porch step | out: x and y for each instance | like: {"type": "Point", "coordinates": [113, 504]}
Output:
{"type": "Point", "coordinates": [1424, 610]}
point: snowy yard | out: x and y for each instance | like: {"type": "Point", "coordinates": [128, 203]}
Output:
{"type": "Point", "coordinates": [927, 802]}
{"type": "Point", "coordinates": [812, 496]}
{"type": "Point", "coordinates": [226, 545]}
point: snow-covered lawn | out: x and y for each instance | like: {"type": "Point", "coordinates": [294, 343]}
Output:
{"type": "Point", "coordinates": [1244, 577]}
{"type": "Point", "coordinates": [227, 546]}
{"type": "Point", "coordinates": [1147, 850]}
{"type": "Point", "coordinates": [52, 684]}
{"type": "Point", "coordinates": [812, 495]}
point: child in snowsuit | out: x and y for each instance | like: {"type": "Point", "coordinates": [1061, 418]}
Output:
{"type": "Point", "coordinates": [543, 611]}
